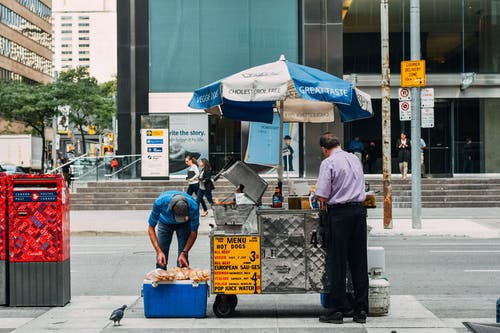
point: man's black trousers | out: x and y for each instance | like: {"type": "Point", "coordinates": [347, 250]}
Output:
{"type": "Point", "coordinates": [346, 243]}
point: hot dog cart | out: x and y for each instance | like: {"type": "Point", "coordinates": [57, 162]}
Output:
{"type": "Point", "coordinates": [263, 250]}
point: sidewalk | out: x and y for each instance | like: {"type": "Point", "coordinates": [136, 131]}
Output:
{"type": "Point", "coordinates": [262, 313]}
{"type": "Point", "coordinates": [452, 222]}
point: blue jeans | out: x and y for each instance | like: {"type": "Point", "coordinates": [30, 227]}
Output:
{"type": "Point", "coordinates": [192, 188]}
{"type": "Point", "coordinates": [199, 198]}
{"type": "Point", "coordinates": [165, 234]}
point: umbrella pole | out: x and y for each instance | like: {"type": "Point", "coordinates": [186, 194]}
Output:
{"type": "Point", "coordinates": [280, 162]}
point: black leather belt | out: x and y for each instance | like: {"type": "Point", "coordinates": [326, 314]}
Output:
{"type": "Point", "coordinates": [344, 205]}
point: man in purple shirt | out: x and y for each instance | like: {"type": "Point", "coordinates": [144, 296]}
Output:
{"type": "Point", "coordinates": [341, 186]}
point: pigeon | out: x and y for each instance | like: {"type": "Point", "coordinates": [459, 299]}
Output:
{"type": "Point", "coordinates": [117, 315]}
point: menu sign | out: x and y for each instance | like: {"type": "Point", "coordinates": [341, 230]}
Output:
{"type": "Point", "coordinates": [236, 265]}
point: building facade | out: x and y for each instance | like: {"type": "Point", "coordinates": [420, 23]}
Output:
{"type": "Point", "coordinates": [191, 43]}
{"type": "Point", "coordinates": [25, 40]}
{"type": "Point", "coordinates": [85, 35]}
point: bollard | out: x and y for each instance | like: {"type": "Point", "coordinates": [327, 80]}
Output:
{"type": "Point", "coordinates": [498, 310]}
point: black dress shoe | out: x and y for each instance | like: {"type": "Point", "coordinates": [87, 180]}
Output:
{"type": "Point", "coordinates": [332, 318]}
{"type": "Point", "coordinates": [360, 317]}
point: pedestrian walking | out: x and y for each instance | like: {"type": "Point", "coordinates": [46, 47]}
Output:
{"type": "Point", "coordinates": [287, 154]}
{"type": "Point", "coordinates": [173, 212]}
{"type": "Point", "coordinates": [206, 186]}
{"type": "Point", "coordinates": [423, 146]}
{"type": "Point", "coordinates": [403, 145]}
{"type": "Point", "coordinates": [192, 175]}
{"type": "Point", "coordinates": [371, 156]}
{"type": "Point", "coordinates": [341, 187]}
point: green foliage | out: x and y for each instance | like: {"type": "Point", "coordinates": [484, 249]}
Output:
{"type": "Point", "coordinates": [87, 101]}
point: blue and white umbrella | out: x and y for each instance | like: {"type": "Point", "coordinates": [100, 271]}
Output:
{"type": "Point", "coordinates": [299, 93]}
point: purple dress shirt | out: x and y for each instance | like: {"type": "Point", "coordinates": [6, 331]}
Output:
{"type": "Point", "coordinates": [341, 179]}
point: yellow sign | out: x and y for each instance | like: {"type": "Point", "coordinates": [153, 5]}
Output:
{"type": "Point", "coordinates": [236, 265]}
{"type": "Point", "coordinates": [413, 73]}
{"type": "Point", "coordinates": [157, 132]}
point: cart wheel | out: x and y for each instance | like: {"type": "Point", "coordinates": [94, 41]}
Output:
{"type": "Point", "coordinates": [224, 305]}
{"type": "Point", "coordinates": [233, 300]}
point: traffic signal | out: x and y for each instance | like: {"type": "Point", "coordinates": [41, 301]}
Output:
{"type": "Point", "coordinates": [110, 137]}
{"type": "Point", "coordinates": [69, 134]}
{"type": "Point", "coordinates": [91, 129]}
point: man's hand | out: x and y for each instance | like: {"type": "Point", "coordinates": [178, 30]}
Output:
{"type": "Point", "coordinates": [162, 259]}
{"type": "Point", "coordinates": [183, 261]}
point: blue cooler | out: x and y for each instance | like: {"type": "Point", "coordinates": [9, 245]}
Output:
{"type": "Point", "coordinates": [175, 299]}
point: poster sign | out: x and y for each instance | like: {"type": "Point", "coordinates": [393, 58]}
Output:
{"type": "Point", "coordinates": [188, 136]}
{"type": "Point", "coordinates": [236, 265]}
{"type": "Point", "coordinates": [428, 118]}
{"type": "Point", "coordinates": [404, 111]}
{"type": "Point", "coordinates": [154, 146]}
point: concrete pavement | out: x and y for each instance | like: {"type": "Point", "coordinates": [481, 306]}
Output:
{"type": "Point", "coordinates": [457, 222]}
{"type": "Point", "coordinates": [262, 313]}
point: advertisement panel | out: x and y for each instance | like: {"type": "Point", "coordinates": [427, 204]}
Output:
{"type": "Point", "coordinates": [263, 147]}
{"type": "Point", "coordinates": [154, 146]}
{"type": "Point", "coordinates": [188, 136]}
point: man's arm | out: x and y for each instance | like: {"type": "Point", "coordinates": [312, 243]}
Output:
{"type": "Point", "coordinates": [162, 260]}
{"type": "Point", "coordinates": [183, 262]}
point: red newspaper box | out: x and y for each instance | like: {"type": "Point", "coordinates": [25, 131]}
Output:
{"type": "Point", "coordinates": [38, 235]}
{"type": "Point", "coordinates": [3, 238]}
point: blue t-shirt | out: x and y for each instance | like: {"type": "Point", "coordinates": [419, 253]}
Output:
{"type": "Point", "coordinates": [162, 213]}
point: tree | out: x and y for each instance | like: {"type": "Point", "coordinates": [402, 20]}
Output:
{"type": "Point", "coordinates": [88, 104]}
{"type": "Point", "coordinates": [34, 105]}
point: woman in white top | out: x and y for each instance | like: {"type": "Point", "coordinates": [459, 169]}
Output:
{"type": "Point", "coordinates": [192, 176]}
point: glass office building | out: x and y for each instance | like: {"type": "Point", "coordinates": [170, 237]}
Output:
{"type": "Point", "coordinates": [190, 43]}
{"type": "Point", "coordinates": [25, 40]}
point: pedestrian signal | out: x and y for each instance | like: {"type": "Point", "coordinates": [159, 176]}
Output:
{"type": "Point", "coordinates": [110, 136]}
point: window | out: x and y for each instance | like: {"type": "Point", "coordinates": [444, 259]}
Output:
{"type": "Point", "coordinates": [66, 45]}
{"type": "Point", "coordinates": [67, 59]}
{"type": "Point", "coordinates": [83, 18]}
{"type": "Point", "coordinates": [83, 24]}
{"type": "Point", "coordinates": [65, 66]}
{"type": "Point", "coordinates": [66, 38]}
{"type": "Point", "coordinates": [83, 31]}
{"type": "Point", "coordinates": [24, 56]}
{"type": "Point", "coordinates": [83, 52]}
{"type": "Point", "coordinates": [66, 52]}
{"type": "Point", "coordinates": [84, 59]}
{"type": "Point", "coordinates": [66, 31]}
{"type": "Point", "coordinates": [66, 24]}
{"type": "Point", "coordinates": [65, 18]}
{"type": "Point", "coordinates": [84, 45]}
{"type": "Point", "coordinates": [83, 38]}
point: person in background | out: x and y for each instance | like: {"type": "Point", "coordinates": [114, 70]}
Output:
{"type": "Point", "coordinates": [287, 154]}
{"type": "Point", "coordinates": [206, 186]}
{"type": "Point", "coordinates": [192, 175]}
{"type": "Point", "coordinates": [468, 155]}
{"type": "Point", "coordinates": [370, 156]}
{"type": "Point", "coordinates": [423, 146]}
{"type": "Point", "coordinates": [341, 187]}
{"type": "Point", "coordinates": [173, 211]}
{"type": "Point", "coordinates": [66, 170]}
{"type": "Point", "coordinates": [403, 145]}
{"type": "Point", "coordinates": [357, 147]}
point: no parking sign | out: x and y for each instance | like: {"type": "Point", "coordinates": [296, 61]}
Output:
{"type": "Point", "coordinates": [404, 110]}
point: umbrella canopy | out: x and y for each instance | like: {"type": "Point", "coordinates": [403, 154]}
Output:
{"type": "Point", "coordinates": [299, 93]}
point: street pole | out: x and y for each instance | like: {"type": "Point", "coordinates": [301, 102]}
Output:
{"type": "Point", "coordinates": [386, 114]}
{"type": "Point", "coordinates": [54, 134]}
{"type": "Point", "coordinates": [416, 202]}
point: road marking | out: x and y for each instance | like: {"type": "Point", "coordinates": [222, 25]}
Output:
{"type": "Point", "coordinates": [461, 244]}
{"type": "Point", "coordinates": [464, 251]}
{"type": "Point", "coordinates": [482, 270]}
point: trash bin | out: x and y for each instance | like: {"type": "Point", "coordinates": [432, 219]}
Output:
{"type": "Point", "coordinates": [3, 238]}
{"type": "Point", "coordinates": [38, 236]}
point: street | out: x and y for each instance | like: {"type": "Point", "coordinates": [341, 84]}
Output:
{"type": "Point", "coordinates": [451, 277]}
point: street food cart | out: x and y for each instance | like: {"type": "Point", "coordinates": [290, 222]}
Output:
{"type": "Point", "coordinates": [262, 250]}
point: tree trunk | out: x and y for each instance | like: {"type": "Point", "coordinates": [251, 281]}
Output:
{"type": "Point", "coordinates": [42, 170]}
{"type": "Point", "coordinates": [84, 146]}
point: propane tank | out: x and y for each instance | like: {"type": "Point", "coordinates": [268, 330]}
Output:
{"type": "Point", "coordinates": [379, 294]}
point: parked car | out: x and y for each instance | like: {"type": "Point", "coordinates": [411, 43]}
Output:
{"type": "Point", "coordinates": [11, 169]}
